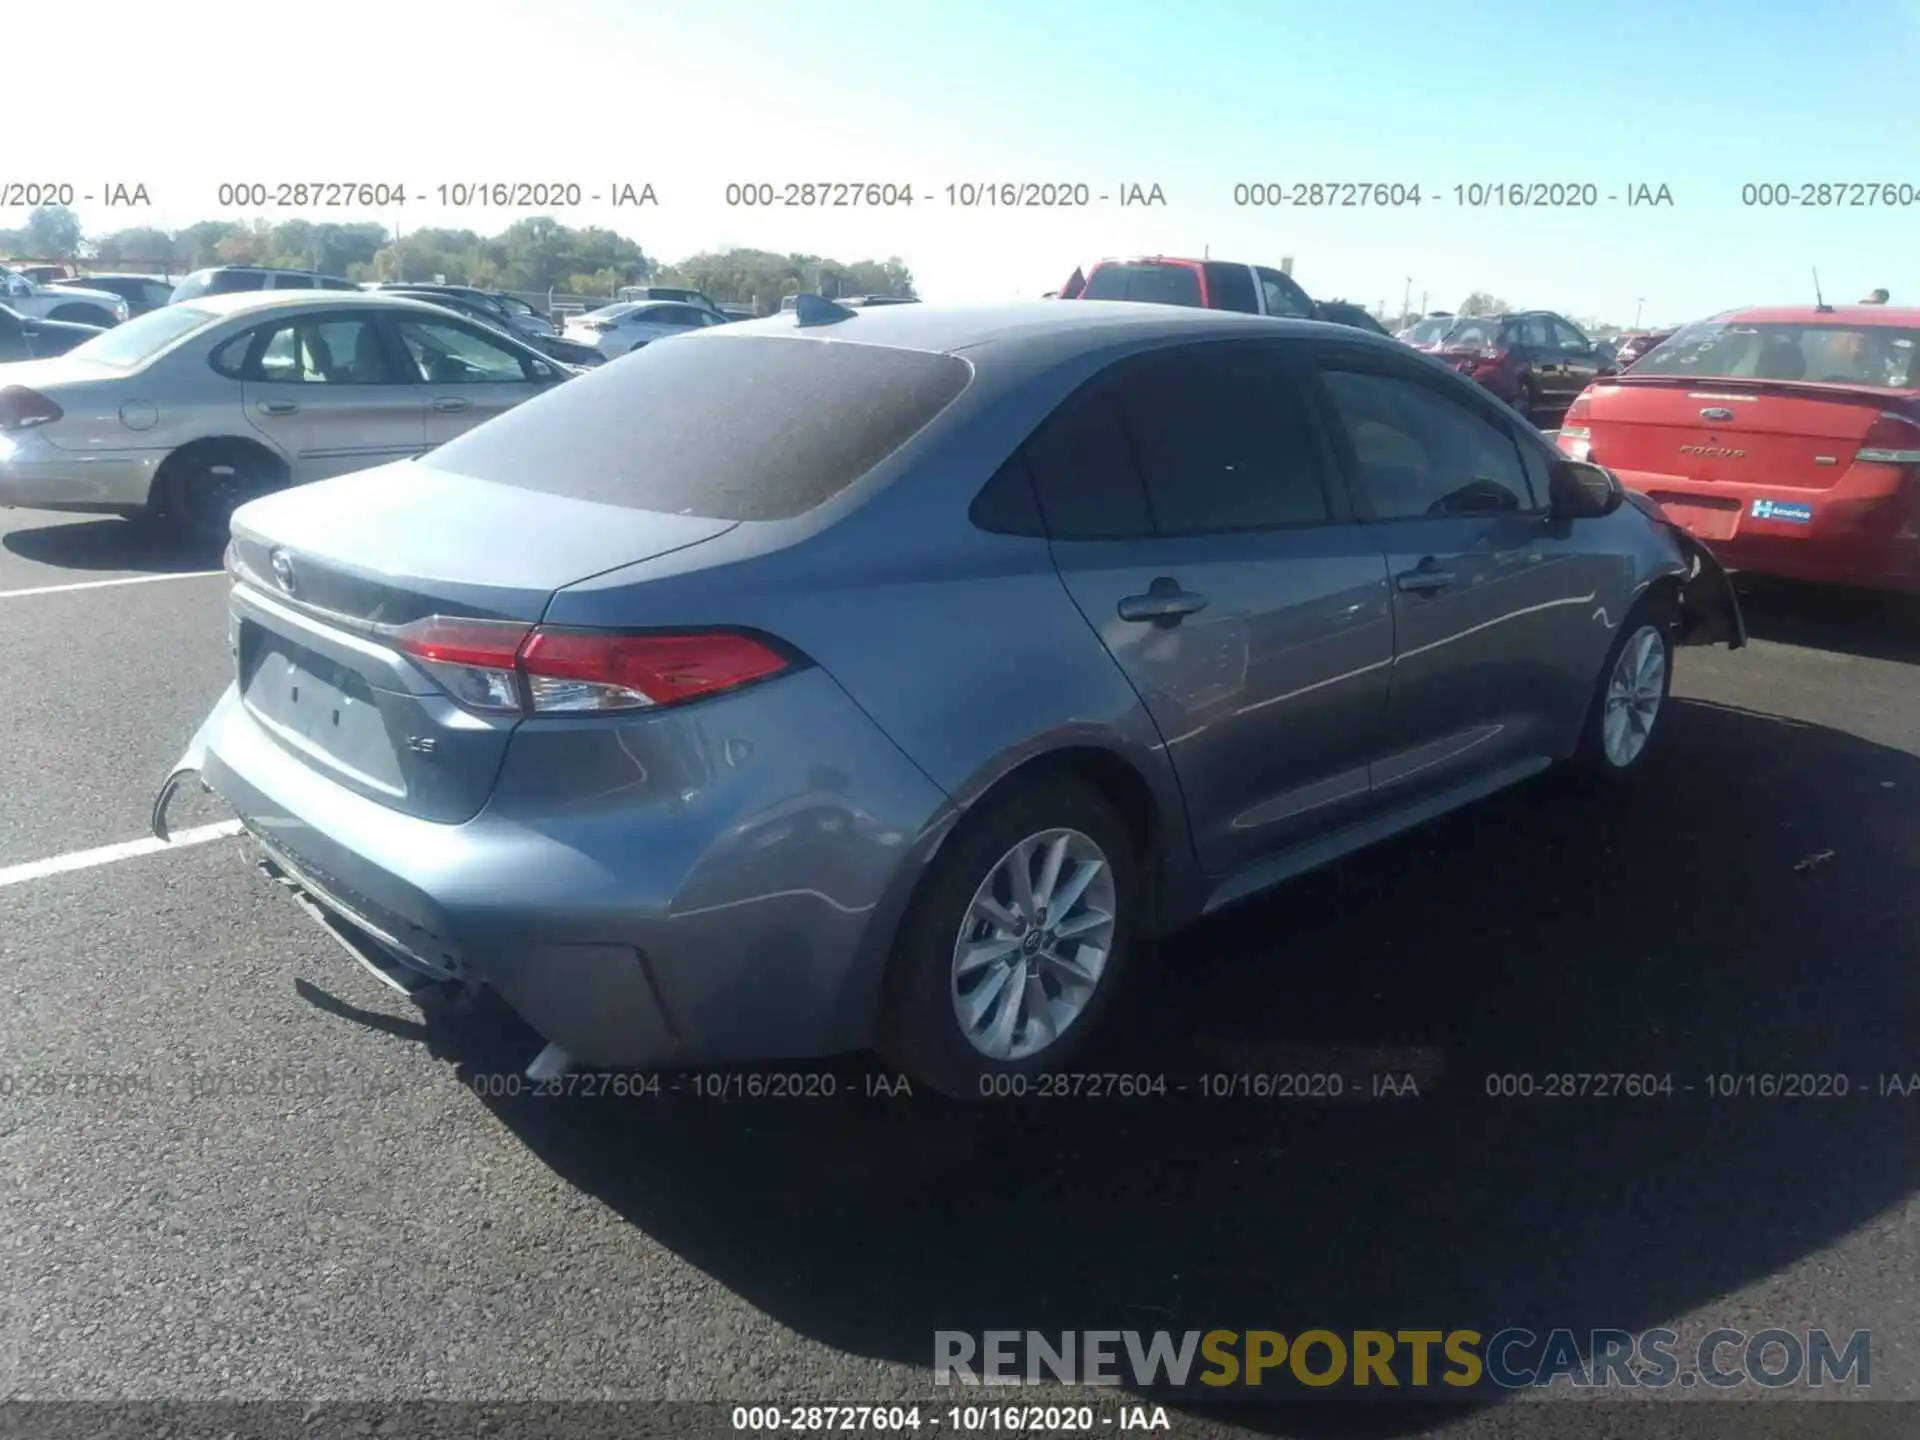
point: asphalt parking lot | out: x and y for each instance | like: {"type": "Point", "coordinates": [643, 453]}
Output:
{"type": "Point", "coordinates": [307, 1198]}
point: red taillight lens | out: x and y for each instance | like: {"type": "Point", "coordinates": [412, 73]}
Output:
{"type": "Point", "coordinates": [503, 667]}
{"type": "Point", "coordinates": [1893, 440]}
{"type": "Point", "coordinates": [582, 670]}
{"type": "Point", "coordinates": [472, 659]}
{"type": "Point", "coordinates": [21, 408]}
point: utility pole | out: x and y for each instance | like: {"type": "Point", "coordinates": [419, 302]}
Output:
{"type": "Point", "coordinates": [1636, 311]}
{"type": "Point", "coordinates": [1406, 299]}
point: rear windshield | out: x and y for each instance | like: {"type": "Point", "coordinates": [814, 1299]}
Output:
{"type": "Point", "coordinates": [142, 338]}
{"type": "Point", "coordinates": [1154, 284]}
{"type": "Point", "coordinates": [1428, 332]}
{"type": "Point", "coordinates": [1881, 356]}
{"type": "Point", "coordinates": [725, 427]}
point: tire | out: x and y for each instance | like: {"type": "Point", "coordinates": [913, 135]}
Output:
{"type": "Point", "coordinates": [921, 1027]}
{"type": "Point", "coordinates": [1528, 400]}
{"type": "Point", "coordinates": [202, 485]}
{"type": "Point", "coordinates": [1630, 702]}
{"type": "Point", "coordinates": [85, 315]}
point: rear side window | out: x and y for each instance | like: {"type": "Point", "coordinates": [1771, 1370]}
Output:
{"type": "Point", "coordinates": [725, 427]}
{"type": "Point", "coordinates": [1084, 474]}
{"type": "Point", "coordinates": [1230, 287]}
{"type": "Point", "coordinates": [1222, 440]}
{"type": "Point", "coordinates": [1149, 283]}
{"type": "Point", "coordinates": [232, 282]}
{"type": "Point", "coordinates": [1284, 297]}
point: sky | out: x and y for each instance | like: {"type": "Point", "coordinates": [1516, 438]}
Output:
{"type": "Point", "coordinates": [1701, 96]}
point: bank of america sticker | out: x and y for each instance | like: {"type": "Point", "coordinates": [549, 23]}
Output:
{"type": "Point", "coordinates": [1792, 511]}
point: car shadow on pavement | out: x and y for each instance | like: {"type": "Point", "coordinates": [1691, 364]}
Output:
{"type": "Point", "coordinates": [110, 543]}
{"type": "Point", "coordinates": [1747, 906]}
{"type": "Point", "coordinates": [1868, 623]}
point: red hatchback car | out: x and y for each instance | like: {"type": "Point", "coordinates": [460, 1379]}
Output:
{"type": "Point", "coordinates": [1787, 438]}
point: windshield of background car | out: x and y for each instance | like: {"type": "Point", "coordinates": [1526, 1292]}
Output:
{"type": "Point", "coordinates": [1429, 332]}
{"type": "Point", "coordinates": [665, 429]}
{"type": "Point", "coordinates": [1473, 334]}
{"type": "Point", "coordinates": [1154, 284]}
{"type": "Point", "coordinates": [1881, 356]}
{"type": "Point", "coordinates": [140, 339]}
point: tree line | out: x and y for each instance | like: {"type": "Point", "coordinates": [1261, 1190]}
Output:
{"type": "Point", "coordinates": [536, 254]}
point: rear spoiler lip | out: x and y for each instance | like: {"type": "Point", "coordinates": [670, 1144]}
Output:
{"type": "Point", "coordinates": [1747, 384]}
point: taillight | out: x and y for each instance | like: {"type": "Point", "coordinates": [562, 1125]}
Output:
{"type": "Point", "coordinates": [578, 670]}
{"type": "Point", "coordinates": [1893, 440]}
{"type": "Point", "coordinates": [474, 660]}
{"type": "Point", "coordinates": [21, 408]}
{"type": "Point", "coordinates": [501, 667]}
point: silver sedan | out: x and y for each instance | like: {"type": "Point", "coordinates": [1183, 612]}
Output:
{"type": "Point", "coordinates": [616, 330]}
{"type": "Point", "coordinates": [189, 411]}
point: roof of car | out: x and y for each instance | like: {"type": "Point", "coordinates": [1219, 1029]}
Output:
{"type": "Point", "coordinates": [1899, 316]}
{"type": "Point", "coordinates": [1029, 330]}
{"type": "Point", "coordinates": [236, 301]}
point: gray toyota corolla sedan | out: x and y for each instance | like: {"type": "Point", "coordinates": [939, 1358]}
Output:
{"type": "Point", "coordinates": [890, 677]}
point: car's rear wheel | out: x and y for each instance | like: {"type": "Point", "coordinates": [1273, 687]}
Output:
{"type": "Point", "coordinates": [1631, 699]}
{"type": "Point", "coordinates": [201, 486]}
{"type": "Point", "coordinates": [1016, 942]}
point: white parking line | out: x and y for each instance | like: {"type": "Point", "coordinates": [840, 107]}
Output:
{"type": "Point", "coordinates": [102, 584]}
{"type": "Point", "coordinates": [107, 854]}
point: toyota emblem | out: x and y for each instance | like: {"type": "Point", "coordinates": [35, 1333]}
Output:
{"type": "Point", "coordinates": [283, 570]}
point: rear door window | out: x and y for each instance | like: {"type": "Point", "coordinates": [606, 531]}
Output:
{"type": "Point", "coordinates": [666, 429]}
{"type": "Point", "coordinates": [448, 354]}
{"type": "Point", "coordinates": [1084, 473]}
{"type": "Point", "coordinates": [1230, 287]}
{"type": "Point", "coordinates": [1222, 439]}
{"type": "Point", "coordinates": [1283, 296]}
{"type": "Point", "coordinates": [1149, 282]}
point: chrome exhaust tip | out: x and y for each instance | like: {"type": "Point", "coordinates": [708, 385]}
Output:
{"type": "Point", "coordinates": [550, 1064]}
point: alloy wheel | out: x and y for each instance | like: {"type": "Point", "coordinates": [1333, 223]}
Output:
{"type": "Point", "coordinates": [1033, 944]}
{"type": "Point", "coordinates": [1635, 690]}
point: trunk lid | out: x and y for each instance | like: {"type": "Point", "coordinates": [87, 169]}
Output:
{"type": "Point", "coordinates": [329, 570]}
{"type": "Point", "coordinates": [1777, 433]}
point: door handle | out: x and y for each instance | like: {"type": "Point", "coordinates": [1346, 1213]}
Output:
{"type": "Point", "coordinates": [277, 407]}
{"type": "Point", "coordinates": [1424, 579]}
{"type": "Point", "coordinates": [1164, 605]}
{"type": "Point", "coordinates": [449, 405]}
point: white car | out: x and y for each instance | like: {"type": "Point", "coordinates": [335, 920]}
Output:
{"type": "Point", "coordinates": [614, 330]}
{"type": "Point", "coordinates": [194, 409]}
{"type": "Point", "coordinates": [74, 303]}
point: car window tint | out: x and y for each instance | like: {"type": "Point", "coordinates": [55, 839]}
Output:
{"type": "Point", "coordinates": [232, 282]}
{"type": "Point", "coordinates": [454, 355]}
{"type": "Point", "coordinates": [316, 351]}
{"type": "Point", "coordinates": [1222, 440]}
{"type": "Point", "coordinates": [1535, 333]}
{"type": "Point", "coordinates": [1230, 287]}
{"type": "Point", "coordinates": [1283, 296]}
{"type": "Point", "coordinates": [1567, 338]}
{"type": "Point", "coordinates": [1084, 475]}
{"type": "Point", "coordinates": [1421, 453]}
{"type": "Point", "coordinates": [230, 357]}
{"type": "Point", "coordinates": [665, 429]}
{"type": "Point", "coordinates": [1153, 284]}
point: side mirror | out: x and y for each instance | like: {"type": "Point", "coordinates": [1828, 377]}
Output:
{"type": "Point", "coordinates": [1579, 491]}
{"type": "Point", "coordinates": [543, 371]}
